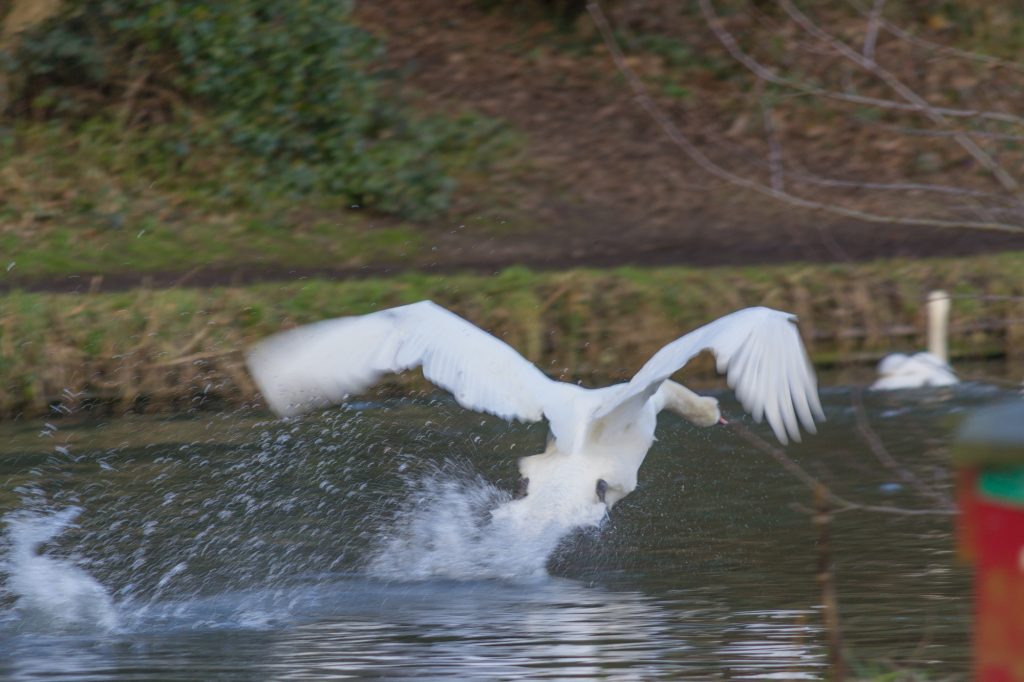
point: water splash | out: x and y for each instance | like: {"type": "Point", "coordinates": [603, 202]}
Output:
{"type": "Point", "coordinates": [51, 593]}
{"type": "Point", "coordinates": [456, 525]}
{"type": "Point", "coordinates": [278, 508]}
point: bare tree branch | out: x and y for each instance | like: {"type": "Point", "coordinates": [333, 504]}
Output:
{"type": "Point", "coordinates": [775, 148]}
{"type": "Point", "coordinates": [926, 132]}
{"type": "Point", "coordinates": [815, 485]}
{"type": "Point", "coordinates": [903, 90]}
{"type": "Point", "coordinates": [885, 186]}
{"type": "Point", "coordinates": [688, 147]}
{"type": "Point", "coordinates": [958, 135]}
{"type": "Point", "coordinates": [805, 177]}
{"type": "Point", "coordinates": [902, 34]}
{"type": "Point", "coordinates": [883, 455]}
{"type": "Point", "coordinates": [761, 71]}
{"type": "Point", "coordinates": [872, 33]}
{"type": "Point", "coordinates": [986, 209]}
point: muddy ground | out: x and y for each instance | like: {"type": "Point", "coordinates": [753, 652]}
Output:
{"type": "Point", "coordinates": [603, 185]}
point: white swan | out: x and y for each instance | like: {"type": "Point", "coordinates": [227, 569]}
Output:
{"type": "Point", "coordinates": [931, 368]}
{"type": "Point", "coordinates": [599, 437]}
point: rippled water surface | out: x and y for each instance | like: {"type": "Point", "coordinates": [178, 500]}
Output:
{"type": "Point", "coordinates": [358, 542]}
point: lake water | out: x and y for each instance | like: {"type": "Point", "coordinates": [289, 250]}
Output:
{"type": "Point", "coordinates": [357, 543]}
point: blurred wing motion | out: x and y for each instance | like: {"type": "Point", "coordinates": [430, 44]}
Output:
{"type": "Point", "coordinates": [760, 352]}
{"type": "Point", "coordinates": [324, 363]}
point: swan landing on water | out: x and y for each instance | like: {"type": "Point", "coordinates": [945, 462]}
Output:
{"type": "Point", "coordinates": [599, 437]}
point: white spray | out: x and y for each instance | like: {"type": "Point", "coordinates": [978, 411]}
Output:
{"type": "Point", "coordinates": [51, 593]}
{"type": "Point", "coordinates": [460, 527]}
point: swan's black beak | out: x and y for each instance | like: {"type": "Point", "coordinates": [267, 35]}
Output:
{"type": "Point", "coordinates": [522, 488]}
{"type": "Point", "coordinates": [602, 489]}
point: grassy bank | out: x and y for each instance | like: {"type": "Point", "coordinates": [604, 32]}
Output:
{"type": "Point", "coordinates": [178, 348]}
{"type": "Point", "coordinates": [98, 199]}
{"type": "Point", "coordinates": [140, 136]}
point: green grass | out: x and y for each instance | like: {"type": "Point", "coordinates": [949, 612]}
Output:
{"type": "Point", "coordinates": [97, 199]}
{"type": "Point", "coordinates": [180, 346]}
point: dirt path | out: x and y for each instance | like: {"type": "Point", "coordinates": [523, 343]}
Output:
{"type": "Point", "coordinates": [488, 257]}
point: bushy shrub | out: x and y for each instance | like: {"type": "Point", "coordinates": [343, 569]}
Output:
{"type": "Point", "coordinates": [293, 83]}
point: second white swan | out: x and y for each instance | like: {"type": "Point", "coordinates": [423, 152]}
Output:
{"type": "Point", "coordinates": [920, 370]}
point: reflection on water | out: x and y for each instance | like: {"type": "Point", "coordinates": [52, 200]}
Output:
{"type": "Point", "coordinates": [225, 546]}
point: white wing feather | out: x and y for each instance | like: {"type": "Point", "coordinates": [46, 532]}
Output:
{"type": "Point", "coordinates": [325, 362]}
{"type": "Point", "coordinates": [760, 352]}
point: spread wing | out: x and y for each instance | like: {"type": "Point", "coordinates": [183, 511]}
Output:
{"type": "Point", "coordinates": [325, 362]}
{"type": "Point", "coordinates": [760, 352]}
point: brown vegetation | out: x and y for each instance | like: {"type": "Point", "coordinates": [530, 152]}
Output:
{"type": "Point", "coordinates": [183, 347]}
{"type": "Point", "coordinates": [620, 190]}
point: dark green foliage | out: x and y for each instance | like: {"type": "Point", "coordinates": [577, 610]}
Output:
{"type": "Point", "coordinates": [563, 13]}
{"type": "Point", "coordinates": [290, 82]}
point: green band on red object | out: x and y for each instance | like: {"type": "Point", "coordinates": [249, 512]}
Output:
{"type": "Point", "coordinates": [1003, 484]}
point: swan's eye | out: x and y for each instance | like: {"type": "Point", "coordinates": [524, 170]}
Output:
{"type": "Point", "coordinates": [602, 488]}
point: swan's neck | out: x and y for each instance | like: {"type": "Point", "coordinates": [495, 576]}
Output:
{"type": "Point", "coordinates": [938, 323]}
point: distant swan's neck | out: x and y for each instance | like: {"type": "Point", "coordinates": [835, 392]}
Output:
{"type": "Point", "coordinates": [938, 324]}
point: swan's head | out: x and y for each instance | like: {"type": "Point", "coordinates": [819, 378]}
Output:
{"type": "Point", "coordinates": [938, 311]}
{"type": "Point", "coordinates": [699, 410]}
{"type": "Point", "coordinates": [938, 297]}
{"type": "Point", "coordinates": [704, 412]}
